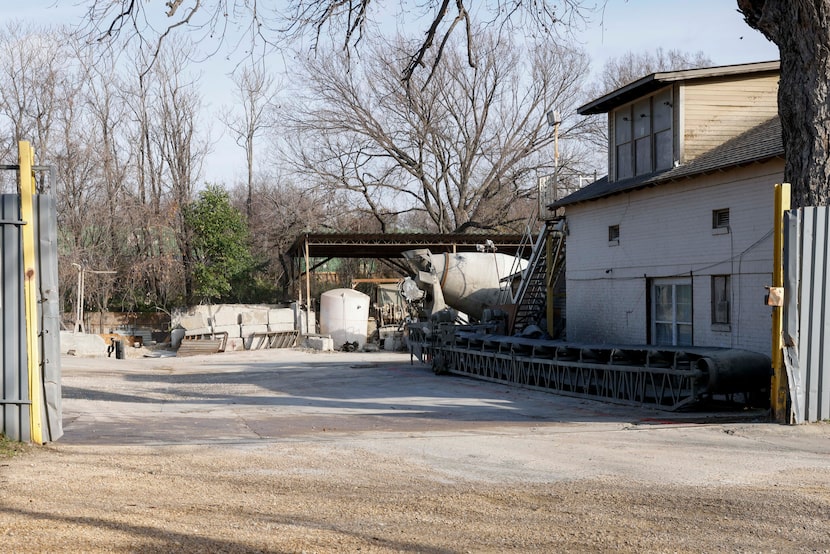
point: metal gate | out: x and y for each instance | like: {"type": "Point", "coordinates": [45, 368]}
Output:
{"type": "Point", "coordinates": [17, 388]}
{"type": "Point", "coordinates": [806, 317]}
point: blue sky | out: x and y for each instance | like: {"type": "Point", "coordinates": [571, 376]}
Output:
{"type": "Point", "coordinates": [711, 26]}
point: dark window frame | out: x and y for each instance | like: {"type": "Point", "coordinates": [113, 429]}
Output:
{"type": "Point", "coordinates": [720, 218]}
{"type": "Point", "coordinates": [638, 148]}
{"type": "Point", "coordinates": [721, 294]}
{"type": "Point", "coordinates": [614, 234]}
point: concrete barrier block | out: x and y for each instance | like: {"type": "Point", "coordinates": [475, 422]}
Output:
{"type": "Point", "coordinates": [196, 321]}
{"type": "Point", "coordinates": [279, 316]}
{"type": "Point", "coordinates": [235, 344]}
{"type": "Point", "coordinates": [234, 331]}
{"type": "Point", "coordinates": [249, 330]}
{"type": "Point", "coordinates": [326, 344]}
{"type": "Point", "coordinates": [305, 322]}
{"type": "Point", "coordinates": [224, 315]}
{"type": "Point", "coordinates": [281, 327]}
{"type": "Point", "coordinates": [83, 345]}
{"type": "Point", "coordinates": [254, 316]}
{"type": "Point", "coordinates": [198, 331]}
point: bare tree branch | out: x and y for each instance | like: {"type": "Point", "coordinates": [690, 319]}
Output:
{"type": "Point", "coordinates": [324, 19]}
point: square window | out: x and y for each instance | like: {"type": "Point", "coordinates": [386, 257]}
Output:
{"type": "Point", "coordinates": [614, 233]}
{"type": "Point", "coordinates": [720, 219]}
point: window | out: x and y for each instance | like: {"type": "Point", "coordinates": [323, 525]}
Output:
{"type": "Point", "coordinates": [624, 146]}
{"type": "Point", "coordinates": [671, 312]}
{"type": "Point", "coordinates": [720, 219]}
{"type": "Point", "coordinates": [721, 293]}
{"type": "Point", "coordinates": [643, 136]}
{"type": "Point", "coordinates": [613, 234]}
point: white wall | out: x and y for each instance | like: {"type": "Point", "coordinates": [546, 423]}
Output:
{"type": "Point", "coordinates": [667, 231]}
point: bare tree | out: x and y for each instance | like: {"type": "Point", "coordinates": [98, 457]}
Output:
{"type": "Point", "coordinates": [34, 83]}
{"type": "Point", "coordinates": [621, 70]}
{"type": "Point", "coordinates": [461, 149]}
{"type": "Point", "coordinates": [154, 276]}
{"type": "Point", "coordinates": [264, 25]}
{"type": "Point", "coordinates": [181, 143]}
{"type": "Point", "coordinates": [282, 210]}
{"type": "Point", "coordinates": [256, 92]}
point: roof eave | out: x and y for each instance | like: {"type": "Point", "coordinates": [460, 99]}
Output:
{"type": "Point", "coordinates": [660, 181]}
{"type": "Point", "coordinates": [650, 83]}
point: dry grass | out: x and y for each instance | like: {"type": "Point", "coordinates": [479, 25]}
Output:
{"type": "Point", "coordinates": [9, 448]}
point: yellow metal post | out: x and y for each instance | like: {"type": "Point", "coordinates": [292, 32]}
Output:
{"type": "Point", "coordinates": [778, 385]}
{"type": "Point", "coordinates": [27, 159]}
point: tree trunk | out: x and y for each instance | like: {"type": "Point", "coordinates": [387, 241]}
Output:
{"type": "Point", "coordinates": [800, 30]}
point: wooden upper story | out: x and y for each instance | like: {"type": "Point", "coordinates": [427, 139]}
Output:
{"type": "Point", "coordinates": [665, 120]}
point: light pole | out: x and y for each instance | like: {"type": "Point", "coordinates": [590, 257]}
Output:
{"type": "Point", "coordinates": [79, 309]}
{"type": "Point", "coordinates": [79, 303]}
{"type": "Point", "coordinates": [554, 120]}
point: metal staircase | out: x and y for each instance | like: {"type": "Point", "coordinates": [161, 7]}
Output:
{"type": "Point", "coordinates": [531, 298]}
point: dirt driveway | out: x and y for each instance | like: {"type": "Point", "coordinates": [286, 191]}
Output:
{"type": "Point", "coordinates": [292, 451]}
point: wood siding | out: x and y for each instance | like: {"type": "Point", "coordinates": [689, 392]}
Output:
{"type": "Point", "coordinates": [666, 231]}
{"type": "Point", "coordinates": [715, 111]}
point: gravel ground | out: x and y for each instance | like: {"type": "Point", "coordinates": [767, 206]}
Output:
{"type": "Point", "coordinates": [457, 469]}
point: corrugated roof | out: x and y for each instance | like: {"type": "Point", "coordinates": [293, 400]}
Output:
{"type": "Point", "coordinates": [655, 81]}
{"type": "Point", "coordinates": [390, 245]}
{"type": "Point", "coordinates": [759, 144]}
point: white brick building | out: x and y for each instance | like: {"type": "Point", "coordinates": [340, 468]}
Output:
{"type": "Point", "coordinates": [675, 245]}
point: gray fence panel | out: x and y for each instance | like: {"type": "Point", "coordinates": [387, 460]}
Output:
{"type": "Point", "coordinates": [811, 398]}
{"type": "Point", "coordinates": [15, 393]}
{"type": "Point", "coordinates": [15, 422]}
{"type": "Point", "coordinates": [792, 269]}
{"type": "Point", "coordinates": [822, 376]}
{"type": "Point", "coordinates": [47, 253]}
{"type": "Point", "coordinates": [812, 308]}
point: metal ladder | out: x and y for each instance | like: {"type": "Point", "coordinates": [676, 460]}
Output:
{"type": "Point", "coordinates": [531, 297]}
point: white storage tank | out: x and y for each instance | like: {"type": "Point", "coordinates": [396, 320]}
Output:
{"type": "Point", "coordinates": [344, 315]}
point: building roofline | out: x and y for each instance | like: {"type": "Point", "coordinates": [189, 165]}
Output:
{"type": "Point", "coordinates": [650, 83]}
{"type": "Point", "coordinates": [757, 145]}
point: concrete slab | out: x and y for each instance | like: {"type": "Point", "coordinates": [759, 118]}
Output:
{"type": "Point", "coordinates": [233, 331]}
{"type": "Point", "coordinates": [253, 316]}
{"type": "Point", "coordinates": [277, 316]}
{"type": "Point", "coordinates": [81, 344]}
{"type": "Point", "coordinates": [224, 315]}
{"type": "Point", "coordinates": [196, 321]}
{"type": "Point", "coordinates": [383, 404]}
{"type": "Point", "coordinates": [248, 330]}
{"type": "Point", "coordinates": [324, 344]}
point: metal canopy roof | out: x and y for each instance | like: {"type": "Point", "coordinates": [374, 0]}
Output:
{"type": "Point", "coordinates": [391, 245]}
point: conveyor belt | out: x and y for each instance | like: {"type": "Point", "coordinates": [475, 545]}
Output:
{"type": "Point", "coordinates": [668, 378]}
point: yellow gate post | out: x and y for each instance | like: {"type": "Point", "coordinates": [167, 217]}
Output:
{"type": "Point", "coordinates": [778, 384]}
{"type": "Point", "coordinates": [27, 160]}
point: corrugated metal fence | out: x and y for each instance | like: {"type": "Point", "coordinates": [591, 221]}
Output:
{"type": "Point", "coordinates": [15, 420]}
{"type": "Point", "coordinates": [806, 325]}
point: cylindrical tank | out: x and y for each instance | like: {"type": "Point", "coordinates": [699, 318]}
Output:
{"type": "Point", "coordinates": [344, 315]}
{"type": "Point", "coordinates": [470, 281]}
